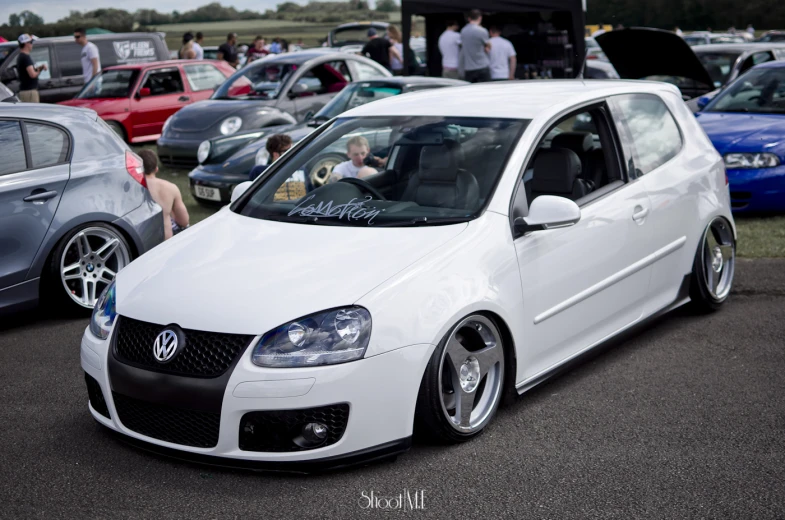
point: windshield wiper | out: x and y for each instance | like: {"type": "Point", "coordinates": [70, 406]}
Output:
{"type": "Point", "coordinates": [425, 221]}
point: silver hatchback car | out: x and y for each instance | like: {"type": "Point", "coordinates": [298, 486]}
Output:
{"type": "Point", "coordinates": [74, 206]}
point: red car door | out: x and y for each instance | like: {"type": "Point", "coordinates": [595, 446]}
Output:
{"type": "Point", "coordinates": [203, 78]}
{"type": "Point", "coordinates": [160, 94]}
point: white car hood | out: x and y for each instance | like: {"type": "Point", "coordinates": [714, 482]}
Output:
{"type": "Point", "coordinates": [242, 275]}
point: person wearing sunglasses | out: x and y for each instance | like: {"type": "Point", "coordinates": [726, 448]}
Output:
{"type": "Point", "coordinates": [91, 60]}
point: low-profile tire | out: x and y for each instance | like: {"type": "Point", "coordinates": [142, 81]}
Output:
{"type": "Point", "coordinates": [713, 267]}
{"type": "Point", "coordinates": [118, 129]}
{"type": "Point", "coordinates": [463, 383]}
{"type": "Point", "coordinates": [82, 265]}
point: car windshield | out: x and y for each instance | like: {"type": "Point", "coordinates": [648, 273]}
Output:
{"type": "Point", "coordinates": [759, 91]}
{"type": "Point", "coordinates": [718, 64]}
{"type": "Point", "coordinates": [353, 35]}
{"type": "Point", "coordinates": [388, 171]}
{"type": "Point", "coordinates": [110, 84]}
{"type": "Point", "coordinates": [256, 81]}
{"type": "Point", "coordinates": [355, 95]}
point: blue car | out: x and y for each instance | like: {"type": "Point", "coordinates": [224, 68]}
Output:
{"type": "Point", "coordinates": [746, 124]}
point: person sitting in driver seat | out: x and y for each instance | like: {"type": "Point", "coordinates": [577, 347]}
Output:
{"type": "Point", "coordinates": [357, 149]}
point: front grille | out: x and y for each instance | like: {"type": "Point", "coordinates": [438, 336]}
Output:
{"type": "Point", "coordinates": [205, 354]}
{"type": "Point", "coordinates": [167, 423]}
{"type": "Point", "coordinates": [96, 396]}
{"type": "Point", "coordinates": [275, 430]}
{"type": "Point", "coordinates": [178, 162]}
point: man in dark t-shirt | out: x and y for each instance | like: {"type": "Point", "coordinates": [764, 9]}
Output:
{"type": "Point", "coordinates": [228, 50]}
{"type": "Point", "coordinates": [380, 49]}
{"type": "Point", "coordinates": [28, 72]}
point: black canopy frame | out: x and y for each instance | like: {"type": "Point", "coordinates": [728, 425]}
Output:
{"type": "Point", "coordinates": [564, 14]}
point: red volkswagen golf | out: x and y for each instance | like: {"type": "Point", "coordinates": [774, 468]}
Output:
{"type": "Point", "coordinates": [135, 100]}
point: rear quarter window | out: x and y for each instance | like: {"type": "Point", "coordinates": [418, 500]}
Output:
{"type": "Point", "coordinates": [650, 135]}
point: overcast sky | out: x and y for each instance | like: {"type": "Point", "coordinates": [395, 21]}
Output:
{"type": "Point", "coordinates": [53, 10]}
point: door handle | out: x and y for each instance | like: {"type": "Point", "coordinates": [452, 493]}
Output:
{"type": "Point", "coordinates": [39, 196]}
{"type": "Point", "coordinates": [640, 213]}
{"type": "Point", "coordinates": [183, 98]}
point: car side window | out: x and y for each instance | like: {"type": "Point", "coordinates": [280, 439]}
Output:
{"type": "Point", "coordinates": [13, 147]}
{"type": "Point", "coordinates": [69, 59]}
{"type": "Point", "coordinates": [341, 67]}
{"type": "Point", "coordinates": [649, 134]}
{"type": "Point", "coordinates": [161, 82]}
{"type": "Point", "coordinates": [42, 56]}
{"type": "Point", "coordinates": [203, 76]}
{"type": "Point", "coordinates": [365, 71]}
{"type": "Point", "coordinates": [48, 144]}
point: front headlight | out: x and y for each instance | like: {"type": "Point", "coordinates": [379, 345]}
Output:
{"type": "Point", "coordinates": [166, 125]}
{"type": "Point", "coordinates": [262, 157]}
{"type": "Point", "coordinates": [231, 125]}
{"type": "Point", "coordinates": [748, 161]}
{"type": "Point", "coordinates": [104, 313]}
{"type": "Point", "coordinates": [324, 338]}
{"type": "Point", "coordinates": [203, 152]}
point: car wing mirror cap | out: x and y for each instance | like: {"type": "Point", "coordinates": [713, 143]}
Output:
{"type": "Point", "coordinates": [238, 190]}
{"type": "Point", "coordinates": [143, 92]}
{"type": "Point", "coordinates": [549, 212]}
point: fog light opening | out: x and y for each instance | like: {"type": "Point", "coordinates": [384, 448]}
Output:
{"type": "Point", "coordinates": [313, 434]}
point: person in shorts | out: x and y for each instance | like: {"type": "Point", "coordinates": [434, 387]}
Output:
{"type": "Point", "coordinates": [165, 194]}
{"type": "Point", "coordinates": [28, 72]}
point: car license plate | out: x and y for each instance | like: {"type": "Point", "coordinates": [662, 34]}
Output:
{"type": "Point", "coordinates": [203, 192]}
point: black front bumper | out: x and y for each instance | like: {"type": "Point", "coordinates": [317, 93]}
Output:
{"type": "Point", "coordinates": [224, 182]}
{"type": "Point", "coordinates": [389, 450]}
{"type": "Point", "coordinates": [178, 153]}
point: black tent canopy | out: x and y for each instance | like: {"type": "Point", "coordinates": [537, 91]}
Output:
{"type": "Point", "coordinates": [513, 15]}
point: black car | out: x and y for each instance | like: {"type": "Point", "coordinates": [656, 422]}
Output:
{"type": "Point", "coordinates": [653, 54]}
{"type": "Point", "coordinates": [229, 160]}
{"type": "Point", "coordinates": [63, 80]}
{"type": "Point", "coordinates": [276, 90]}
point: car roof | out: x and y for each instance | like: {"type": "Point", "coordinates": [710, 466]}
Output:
{"type": "Point", "coordinates": [107, 36]}
{"type": "Point", "coordinates": [737, 47]}
{"type": "Point", "coordinates": [153, 64]}
{"type": "Point", "coordinates": [414, 80]}
{"type": "Point", "coordinates": [300, 57]}
{"type": "Point", "coordinates": [44, 111]}
{"type": "Point", "coordinates": [362, 24]}
{"type": "Point", "coordinates": [505, 100]}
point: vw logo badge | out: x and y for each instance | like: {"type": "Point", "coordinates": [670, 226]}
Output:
{"type": "Point", "coordinates": [165, 346]}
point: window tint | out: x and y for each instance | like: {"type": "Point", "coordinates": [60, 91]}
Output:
{"type": "Point", "coordinates": [366, 72]}
{"type": "Point", "coordinates": [203, 77]}
{"type": "Point", "coordinates": [68, 59]}
{"type": "Point", "coordinates": [167, 81]}
{"type": "Point", "coordinates": [48, 145]}
{"type": "Point", "coordinates": [13, 148]}
{"type": "Point", "coordinates": [648, 132]}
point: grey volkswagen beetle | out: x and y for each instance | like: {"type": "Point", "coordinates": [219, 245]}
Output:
{"type": "Point", "coordinates": [277, 90]}
{"type": "Point", "coordinates": [74, 206]}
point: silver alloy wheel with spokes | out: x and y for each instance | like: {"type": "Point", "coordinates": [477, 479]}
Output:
{"type": "Point", "coordinates": [90, 261]}
{"type": "Point", "coordinates": [718, 254]}
{"type": "Point", "coordinates": [323, 170]}
{"type": "Point", "coordinates": [471, 374]}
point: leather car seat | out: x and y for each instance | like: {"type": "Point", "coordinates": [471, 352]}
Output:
{"type": "Point", "coordinates": [556, 172]}
{"type": "Point", "coordinates": [439, 182]}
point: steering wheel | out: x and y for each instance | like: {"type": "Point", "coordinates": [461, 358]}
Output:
{"type": "Point", "coordinates": [363, 186]}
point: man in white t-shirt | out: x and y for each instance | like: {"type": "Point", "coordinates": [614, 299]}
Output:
{"type": "Point", "coordinates": [502, 56]}
{"type": "Point", "coordinates": [450, 47]}
{"type": "Point", "coordinates": [91, 60]}
{"type": "Point", "coordinates": [357, 149]}
{"type": "Point", "coordinates": [197, 46]}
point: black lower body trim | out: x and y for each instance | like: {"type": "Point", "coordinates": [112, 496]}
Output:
{"type": "Point", "coordinates": [373, 454]}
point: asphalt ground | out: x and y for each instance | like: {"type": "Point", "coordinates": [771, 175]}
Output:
{"type": "Point", "coordinates": [684, 418]}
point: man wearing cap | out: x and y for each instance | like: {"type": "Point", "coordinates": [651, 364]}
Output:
{"type": "Point", "coordinates": [380, 50]}
{"type": "Point", "coordinates": [28, 72]}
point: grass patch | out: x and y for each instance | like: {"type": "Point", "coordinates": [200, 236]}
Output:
{"type": "Point", "coordinates": [758, 236]}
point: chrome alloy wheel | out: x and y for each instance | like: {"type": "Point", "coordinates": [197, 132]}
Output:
{"type": "Point", "coordinates": [471, 374]}
{"type": "Point", "coordinates": [90, 261]}
{"type": "Point", "coordinates": [323, 170]}
{"type": "Point", "coordinates": [718, 254]}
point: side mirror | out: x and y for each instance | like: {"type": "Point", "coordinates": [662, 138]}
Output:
{"type": "Point", "coordinates": [298, 89]}
{"type": "Point", "coordinates": [703, 101]}
{"type": "Point", "coordinates": [238, 190]}
{"type": "Point", "coordinates": [549, 212]}
{"type": "Point", "coordinates": [144, 92]}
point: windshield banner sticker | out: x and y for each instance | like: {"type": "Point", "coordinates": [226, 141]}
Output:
{"type": "Point", "coordinates": [353, 210]}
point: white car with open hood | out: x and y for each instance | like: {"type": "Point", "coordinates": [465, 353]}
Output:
{"type": "Point", "coordinates": [315, 321]}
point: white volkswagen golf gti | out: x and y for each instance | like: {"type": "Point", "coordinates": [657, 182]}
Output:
{"type": "Point", "coordinates": [506, 229]}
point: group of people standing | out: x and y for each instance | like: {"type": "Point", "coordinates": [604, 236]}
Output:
{"type": "Point", "coordinates": [475, 53]}
{"type": "Point", "coordinates": [192, 47]}
{"type": "Point", "coordinates": [30, 73]}
{"type": "Point", "coordinates": [230, 52]}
